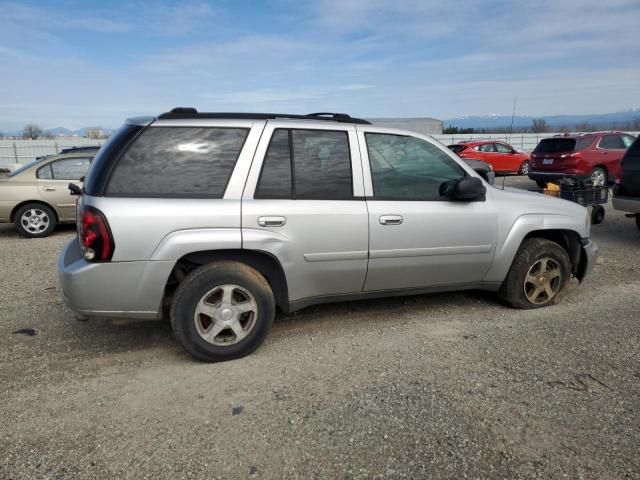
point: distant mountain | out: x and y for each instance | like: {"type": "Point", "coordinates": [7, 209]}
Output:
{"type": "Point", "coordinates": [569, 121]}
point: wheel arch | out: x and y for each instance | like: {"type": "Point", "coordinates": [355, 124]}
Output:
{"type": "Point", "coordinates": [569, 240]}
{"type": "Point", "coordinates": [533, 226]}
{"type": "Point", "coordinates": [263, 262]}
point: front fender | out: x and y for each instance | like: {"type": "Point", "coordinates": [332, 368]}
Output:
{"type": "Point", "coordinates": [516, 233]}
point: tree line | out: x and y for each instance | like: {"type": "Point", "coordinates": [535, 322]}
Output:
{"type": "Point", "coordinates": [32, 131]}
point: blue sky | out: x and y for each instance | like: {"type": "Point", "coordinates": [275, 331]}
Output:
{"type": "Point", "coordinates": [74, 63]}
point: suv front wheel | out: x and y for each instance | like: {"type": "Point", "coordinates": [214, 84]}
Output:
{"type": "Point", "coordinates": [222, 311]}
{"type": "Point", "coordinates": [538, 276]}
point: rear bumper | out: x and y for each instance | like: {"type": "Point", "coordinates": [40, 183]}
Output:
{"type": "Point", "coordinates": [540, 176]}
{"type": "Point", "coordinates": [627, 204]}
{"type": "Point", "coordinates": [590, 251]}
{"type": "Point", "coordinates": [113, 289]}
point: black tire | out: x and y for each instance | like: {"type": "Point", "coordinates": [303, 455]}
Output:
{"type": "Point", "coordinates": [196, 286]}
{"type": "Point", "coordinates": [638, 221]}
{"type": "Point", "coordinates": [524, 168]}
{"type": "Point", "coordinates": [42, 229]}
{"type": "Point", "coordinates": [597, 214]}
{"type": "Point", "coordinates": [541, 184]}
{"type": "Point", "coordinates": [532, 251]}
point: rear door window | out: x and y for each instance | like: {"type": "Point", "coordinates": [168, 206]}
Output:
{"type": "Point", "coordinates": [178, 162]}
{"type": "Point", "coordinates": [307, 164]}
{"type": "Point", "coordinates": [487, 148]}
{"type": "Point", "coordinates": [70, 169]}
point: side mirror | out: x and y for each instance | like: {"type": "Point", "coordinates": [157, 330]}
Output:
{"type": "Point", "coordinates": [468, 189]}
{"type": "Point", "coordinates": [75, 189]}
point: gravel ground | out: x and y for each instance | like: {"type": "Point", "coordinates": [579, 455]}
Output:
{"type": "Point", "coordinates": [432, 386]}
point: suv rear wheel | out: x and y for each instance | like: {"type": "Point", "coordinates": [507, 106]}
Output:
{"type": "Point", "coordinates": [35, 220]}
{"type": "Point", "coordinates": [538, 276]}
{"type": "Point", "coordinates": [222, 311]}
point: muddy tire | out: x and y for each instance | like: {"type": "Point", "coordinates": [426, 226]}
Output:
{"type": "Point", "coordinates": [222, 311]}
{"type": "Point", "coordinates": [539, 275]}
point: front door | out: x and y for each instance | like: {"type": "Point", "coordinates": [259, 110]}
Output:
{"type": "Point", "coordinates": [418, 238]}
{"type": "Point", "coordinates": [304, 204]}
{"type": "Point", "coordinates": [53, 183]}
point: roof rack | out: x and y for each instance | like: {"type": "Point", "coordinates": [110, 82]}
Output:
{"type": "Point", "coordinates": [79, 149]}
{"type": "Point", "coordinates": [188, 112]}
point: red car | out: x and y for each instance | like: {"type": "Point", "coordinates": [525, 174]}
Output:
{"type": "Point", "coordinates": [500, 155]}
{"type": "Point", "coordinates": [595, 156]}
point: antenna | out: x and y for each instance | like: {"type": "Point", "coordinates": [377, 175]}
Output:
{"type": "Point", "coordinates": [513, 114]}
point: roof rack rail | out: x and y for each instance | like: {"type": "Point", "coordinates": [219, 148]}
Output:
{"type": "Point", "coordinates": [79, 149]}
{"type": "Point", "coordinates": [189, 112]}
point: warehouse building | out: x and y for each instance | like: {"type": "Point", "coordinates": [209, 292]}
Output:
{"type": "Point", "coordinates": [423, 125]}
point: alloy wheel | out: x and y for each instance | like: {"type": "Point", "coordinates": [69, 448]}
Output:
{"type": "Point", "coordinates": [543, 281]}
{"type": "Point", "coordinates": [35, 221]}
{"type": "Point", "coordinates": [226, 315]}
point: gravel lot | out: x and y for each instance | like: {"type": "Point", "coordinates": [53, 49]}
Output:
{"type": "Point", "coordinates": [433, 386]}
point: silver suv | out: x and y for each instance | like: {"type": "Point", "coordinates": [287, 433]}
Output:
{"type": "Point", "coordinates": [218, 219]}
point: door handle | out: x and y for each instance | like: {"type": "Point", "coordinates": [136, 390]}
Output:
{"type": "Point", "coordinates": [390, 219]}
{"type": "Point", "coordinates": [272, 221]}
{"type": "Point", "coordinates": [49, 189]}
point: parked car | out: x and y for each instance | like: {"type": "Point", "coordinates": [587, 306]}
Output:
{"type": "Point", "coordinates": [500, 155]}
{"type": "Point", "coordinates": [584, 156]}
{"type": "Point", "coordinates": [218, 219]}
{"type": "Point", "coordinates": [36, 197]}
{"type": "Point", "coordinates": [626, 192]}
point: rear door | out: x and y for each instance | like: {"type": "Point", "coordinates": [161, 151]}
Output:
{"type": "Point", "coordinates": [418, 238]}
{"type": "Point", "coordinates": [53, 181]}
{"type": "Point", "coordinates": [304, 204]}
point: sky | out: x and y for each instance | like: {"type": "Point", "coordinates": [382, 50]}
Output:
{"type": "Point", "coordinates": [89, 63]}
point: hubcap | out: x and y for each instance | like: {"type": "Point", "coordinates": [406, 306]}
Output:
{"type": "Point", "coordinates": [542, 281]}
{"type": "Point", "coordinates": [524, 169]}
{"type": "Point", "coordinates": [34, 220]}
{"type": "Point", "coordinates": [597, 178]}
{"type": "Point", "coordinates": [225, 315]}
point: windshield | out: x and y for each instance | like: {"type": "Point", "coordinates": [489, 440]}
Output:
{"type": "Point", "coordinates": [24, 167]}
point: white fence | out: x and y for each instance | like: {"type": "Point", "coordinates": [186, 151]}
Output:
{"type": "Point", "coordinates": [522, 141]}
{"type": "Point", "coordinates": [14, 153]}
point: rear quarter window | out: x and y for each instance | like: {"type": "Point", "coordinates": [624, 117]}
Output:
{"type": "Point", "coordinates": [178, 162]}
{"type": "Point", "coordinates": [456, 148]}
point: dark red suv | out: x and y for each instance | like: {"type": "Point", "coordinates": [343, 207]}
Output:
{"type": "Point", "coordinates": [588, 156]}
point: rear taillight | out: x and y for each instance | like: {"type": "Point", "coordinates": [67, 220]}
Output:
{"type": "Point", "coordinates": [575, 156]}
{"type": "Point", "coordinates": [94, 235]}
